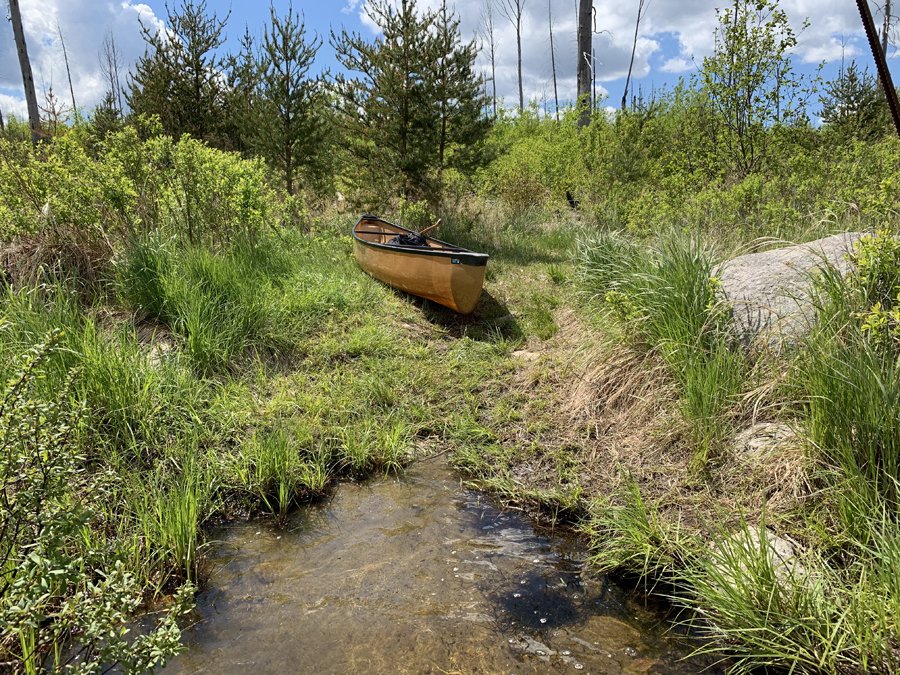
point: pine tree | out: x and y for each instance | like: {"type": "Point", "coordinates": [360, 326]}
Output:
{"type": "Point", "coordinates": [415, 105]}
{"type": "Point", "coordinates": [853, 106]}
{"type": "Point", "coordinates": [459, 96]}
{"type": "Point", "coordinates": [179, 77]}
{"type": "Point", "coordinates": [289, 131]}
{"type": "Point", "coordinates": [106, 118]}
{"type": "Point", "coordinates": [241, 96]}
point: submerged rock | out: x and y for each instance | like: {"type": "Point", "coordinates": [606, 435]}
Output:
{"type": "Point", "coordinates": [769, 292]}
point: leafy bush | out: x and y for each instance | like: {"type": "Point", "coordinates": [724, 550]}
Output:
{"type": "Point", "coordinates": [66, 609]}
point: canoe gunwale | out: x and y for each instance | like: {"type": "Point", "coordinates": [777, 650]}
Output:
{"type": "Point", "coordinates": [465, 256]}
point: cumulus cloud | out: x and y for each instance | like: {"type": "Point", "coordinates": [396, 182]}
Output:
{"type": "Point", "coordinates": [677, 65]}
{"type": "Point", "coordinates": [673, 37]}
{"type": "Point", "coordinates": [834, 32]}
{"type": "Point", "coordinates": [83, 24]}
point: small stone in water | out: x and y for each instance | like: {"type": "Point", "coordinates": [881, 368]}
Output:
{"type": "Point", "coordinates": [543, 620]}
{"type": "Point", "coordinates": [578, 666]}
{"type": "Point", "coordinates": [452, 552]}
{"type": "Point", "coordinates": [517, 595]}
{"type": "Point", "coordinates": [456, 569]}
{"type": "Point", "coordinates": [259, 533]}
{"type": "Point", "coordinates": [540, 652]}
{"type": "Point", "coordinates": [512, 641]}
{"type": "Point", "coordinates": [278, 537]}
{"type": "Point", "coordinates": [536, 560]}
{"type": "Point", "coordinates": [565, 652]}
{"type": "Point", "coordinates": [523, 582]}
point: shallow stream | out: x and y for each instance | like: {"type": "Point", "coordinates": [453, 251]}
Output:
{"type": "Point", "coordinates": [417, 575]}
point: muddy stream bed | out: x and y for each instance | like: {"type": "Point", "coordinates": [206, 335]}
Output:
{"type": "Point", "coordinates": [417, 575]}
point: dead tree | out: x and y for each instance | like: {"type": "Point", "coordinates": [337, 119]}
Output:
{"type": "Point", "coordinates": [553, 59]}
{"type": "Point", "coordinates": [111, 59]}
{"type": "Point", "coordinates": [513, 11]}
{"type": "Point", "coordinates": [487, 36]}
{"type": "Point", "coordinates": [584, 66]}
{"type": "Point", "coordinates": [34, 115]}
{"type": "Point", "coordinates": [637, 25]}
{"type": "Point", "coordinates": [62, 42]}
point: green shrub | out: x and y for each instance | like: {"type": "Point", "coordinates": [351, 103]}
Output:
{"type": "Point", "coordinates": [55, 598]}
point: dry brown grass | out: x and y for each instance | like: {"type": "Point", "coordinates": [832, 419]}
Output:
{"type": "Point", "coordinates": [58, 253]}
{"type": "Point", "coordinates": [606, 413]}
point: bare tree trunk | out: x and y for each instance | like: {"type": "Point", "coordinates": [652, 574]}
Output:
{"type": "Point", "coordinates": [513, 11]}
{"type": "Point", "coordinates": [886, 27]}
{"type": "Point", "coordinates": [583, 69]}
{"type": "Point", "coordinates": [68, 70]}
{"type": "Point", "coordinates": [637, 25]}
{"type": "Point", "coordinates": [487, 26]}
{"type": "Point", "coordinates": [2, 124]}
{"type": "Point", "coordinates": [34, 115]}
{"type": "Point", "coordinates": [110, 59]}
{"type": "Point", "coordinates": [553, 59]}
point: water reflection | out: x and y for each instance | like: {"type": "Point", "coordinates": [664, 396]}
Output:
{"type": "Point", "coordinates": [415, 576]}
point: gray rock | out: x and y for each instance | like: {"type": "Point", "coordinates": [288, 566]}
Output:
{"type": "Point", "coordinates": [769, 292]}
{"type": "Point", "coordinates": [732, 554]}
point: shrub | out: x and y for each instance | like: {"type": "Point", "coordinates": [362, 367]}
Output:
{"type": "Point", "coordinates": [63, 613]}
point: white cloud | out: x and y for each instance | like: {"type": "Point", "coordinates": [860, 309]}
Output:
{"type": "Point", "coordinates": [351, 6]}
{"type": "Point", "coordinates": [83, 24]}
{"type": "Point", "coordinates": [677, 65]}
{"type": "Point", "coordinates": [13, 105]}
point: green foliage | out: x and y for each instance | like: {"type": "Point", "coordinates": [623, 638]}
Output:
{"type": "Point", "coordinates": [415, 215]}
{"type": "Point", "coordinates": [415, 107]}
{"type": "Point", "coordinates": [178, 78]}
{"type": "Point", "coordinates": [853, 108]}
{"type": "Point", "coordinates": [749, 83]}
{"type": "Point", "coordinates": [64, 613]}
{"type": "Point", "coordinates": [288, 124]}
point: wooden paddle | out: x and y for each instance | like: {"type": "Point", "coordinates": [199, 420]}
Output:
{"type": "Point", "coordinates": [431, 227]}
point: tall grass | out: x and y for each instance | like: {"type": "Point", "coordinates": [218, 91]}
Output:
{"type": "Point", "coordinates": [801, 614]}
{"type": "Point", "coordinates": [665, 298]}
{"type": "Point", "coordinates": [281, 465]}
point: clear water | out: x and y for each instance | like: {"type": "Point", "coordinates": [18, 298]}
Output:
{"type": "Point", "coordinates": [417, 575]}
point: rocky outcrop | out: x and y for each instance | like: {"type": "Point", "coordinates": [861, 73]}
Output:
{"type": "Point", "coordinates": [769, 292]}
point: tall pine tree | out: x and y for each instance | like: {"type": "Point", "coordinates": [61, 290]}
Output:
{"type": "Point", "coordinates": [179, 77]}
{"type": "Point", "coordinates": [415, 104]}
{"type": "Point", "coordinates": [289, 127]}
{"type": "Point", "coordinates": [459, 96]}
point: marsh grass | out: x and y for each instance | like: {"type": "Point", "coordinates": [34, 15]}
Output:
{"type": "Point", "coordinates": [800, 614]}
{"type": "Point", "coordinates": [634, 535]}
{"type": "Point", "coordinates": [664, 296]}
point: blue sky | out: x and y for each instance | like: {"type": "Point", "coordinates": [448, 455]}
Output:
{"type": "Point", "coordinates": [674, 37]}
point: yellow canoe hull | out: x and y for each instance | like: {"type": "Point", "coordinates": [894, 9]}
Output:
{"type": "Point", "coordinates": [446, 274]}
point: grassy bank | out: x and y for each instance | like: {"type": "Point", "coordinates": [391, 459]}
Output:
{"type": "Point", "coordinates": [682, 453]}
{"type": "Point", "coordinates": [232, 377]}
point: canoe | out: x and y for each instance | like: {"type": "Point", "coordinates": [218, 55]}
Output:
{"type": "Point", "coordinates": [447, 274]}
